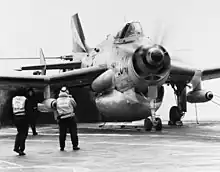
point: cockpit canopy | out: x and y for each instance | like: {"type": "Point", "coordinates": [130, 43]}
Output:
{"type": "Point", "coordinates": [132, 29]}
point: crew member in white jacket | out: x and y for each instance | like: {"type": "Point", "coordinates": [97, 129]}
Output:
{"type": "Point", "coordinates": [65, 106]}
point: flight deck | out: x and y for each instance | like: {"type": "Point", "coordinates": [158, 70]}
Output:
{"type": "Point", "coordinates": [114, 148]}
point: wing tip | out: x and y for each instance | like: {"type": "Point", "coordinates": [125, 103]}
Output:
{"type": "Point", "coordinates": [18, 69]}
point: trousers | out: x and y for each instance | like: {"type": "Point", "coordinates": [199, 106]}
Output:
{"type": "Point", "coordinates": [22, 133]}
{"type": "Point", "coordinates": [68, 124]}
{"type": "Point", "coordinates": [33, 120]}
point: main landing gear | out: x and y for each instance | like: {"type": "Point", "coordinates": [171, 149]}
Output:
{"type": "Point", "coordinates": [175, 116]}
{"type": "Point", "coordinates": [153, 121]}
{"type": "Point", "coordinates": [177, 112]}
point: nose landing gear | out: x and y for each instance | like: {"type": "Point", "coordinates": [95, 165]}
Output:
{"type": "Point", "coordinates": [157, 124]}
{"type": "Point", "coordinates": [153, 121]}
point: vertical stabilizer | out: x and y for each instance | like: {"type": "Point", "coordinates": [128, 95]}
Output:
{"type": "Point", "coordinates": [78, 37]}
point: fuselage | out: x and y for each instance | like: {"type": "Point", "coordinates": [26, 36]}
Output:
{"type": "Point", "coordinates": [121, 101]}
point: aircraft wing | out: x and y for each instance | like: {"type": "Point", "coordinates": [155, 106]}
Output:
{"type": "Point", "coordinates": [181, 73]}
{"type": "Point", "coordinates": [77, 77]}
{"type": "Point", "coordinates": [68, 65]}
{"type": "Point", "coordinates": [211, 73]}
{"type": "Point", "coordinates": [185, 73]}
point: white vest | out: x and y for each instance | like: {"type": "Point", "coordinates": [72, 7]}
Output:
{"type": "Point", "coordinates": [18, 105]}
{"type": "Point", "coordinates": [64, 107]}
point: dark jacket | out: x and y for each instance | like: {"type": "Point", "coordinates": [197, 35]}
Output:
{"type": "Point", "coordinates": [32, 109]}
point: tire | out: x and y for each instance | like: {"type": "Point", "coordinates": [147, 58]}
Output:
{"type": "Point", "coordinates": [175, 114]}
{"type": "Point", "coordinates": [159, 125]}
{"type": "Point", "coordinates": [148, 124]}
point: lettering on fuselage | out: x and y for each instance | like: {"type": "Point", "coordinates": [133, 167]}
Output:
{"type": "Point", "coordinates": [122, 80]}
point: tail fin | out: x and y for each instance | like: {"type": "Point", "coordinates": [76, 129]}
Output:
{"type": "Point", "coordinates": [42, 62]}
{"type": "Point", "coordinates": [79, 45]}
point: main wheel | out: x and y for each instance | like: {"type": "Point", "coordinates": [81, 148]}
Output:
{"type": "Point", "coordinates": [175, 115]}
{"type": "Point", "coordinates": [148, 124]}
{"type": "Point", "coordinates": [158, 126]}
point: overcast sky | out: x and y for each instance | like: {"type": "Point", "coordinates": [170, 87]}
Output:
{"type": "Point", "coordinates": [27, 25]}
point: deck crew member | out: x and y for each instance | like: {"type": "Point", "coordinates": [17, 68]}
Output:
{"type": "Point", "coordinates": [65, 106]}
{"type": "Point", "coordinates": [32, 110]}
{"type": "Point", "coordinates": [20, 118]}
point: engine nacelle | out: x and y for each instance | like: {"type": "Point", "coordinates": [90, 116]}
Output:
{"type": "Point", "coordinates": [48, 105]}
{"type": "Point", "coordinates": [199, 96]}
{"type": "Point", "coordinates": [103, 82]}
{"type": "Point", "coordinates": [149, 66]}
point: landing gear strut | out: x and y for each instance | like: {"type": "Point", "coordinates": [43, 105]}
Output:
{"type": "Point", "coordinates": [177, 112]}
{"type": "Point", "coordinates": [153, 120]}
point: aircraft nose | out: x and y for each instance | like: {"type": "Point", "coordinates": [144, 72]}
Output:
{"type": "Point", "coordinates": [151, 59]}
{"type": "Point", "coordinates": [155, 57]}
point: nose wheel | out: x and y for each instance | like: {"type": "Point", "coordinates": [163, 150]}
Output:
{"type": "Point", "coordinates": [158, 126]}
{"type": "Point", "coordinates": [149, 125]}
{"type": "Point", "coordinates": [153, 121]}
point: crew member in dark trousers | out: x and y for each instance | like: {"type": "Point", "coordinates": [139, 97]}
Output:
{"type": "Point", "coordinates": [32, 110]}
{"type": "Point", "coordinates": [19, 107]}
{"type": "Point", "coordinates": [65, 106]}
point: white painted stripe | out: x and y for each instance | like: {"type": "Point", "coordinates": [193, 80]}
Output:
{"type": "Point", "coordinates": [183, 144]}
{"type": "Point", "coordinates": [10, 163]}
{"type": "Point", "coordinates": [204, 135]}
{"type": "Point", "coordinates": [148, 134]}
{"type": "Point", "coordinates": [80, 134]}
{"type": "Point", "coordinates": [39, 167]}
{"type": "Point", "coordinates": [102, 134]}
{"type": "Point", "coordinates": [159, 144]}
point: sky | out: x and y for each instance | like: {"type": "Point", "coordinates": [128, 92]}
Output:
{"type": "Point", "coordinates": [27, 25]}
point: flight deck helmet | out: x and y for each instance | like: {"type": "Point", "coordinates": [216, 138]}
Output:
{"type": "Point", "coordinates": [64, 89]}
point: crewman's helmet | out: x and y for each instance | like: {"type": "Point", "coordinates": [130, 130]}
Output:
{"type": "Point", "coordinates": [64, 89]}
{"type": "Point", "coordinates": [30, 92]}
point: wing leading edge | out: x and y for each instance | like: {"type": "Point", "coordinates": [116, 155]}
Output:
{"type": "Point", "coordinates": [185, 73]}
{"type": "Point", "coordinates": [211, 73]}
{"type": "Point", "coordinates": [77, 77]}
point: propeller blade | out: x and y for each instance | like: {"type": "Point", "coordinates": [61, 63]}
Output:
{"type": "Point", "coordinates": [162, 32]}
{"type": "Point", "coordinates": [183, 55]}
{"type": "Point", "coordinates": [166, 35]}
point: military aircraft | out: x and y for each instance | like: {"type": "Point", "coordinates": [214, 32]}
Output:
{"type": "Point", "coordinates": [127, 72]}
